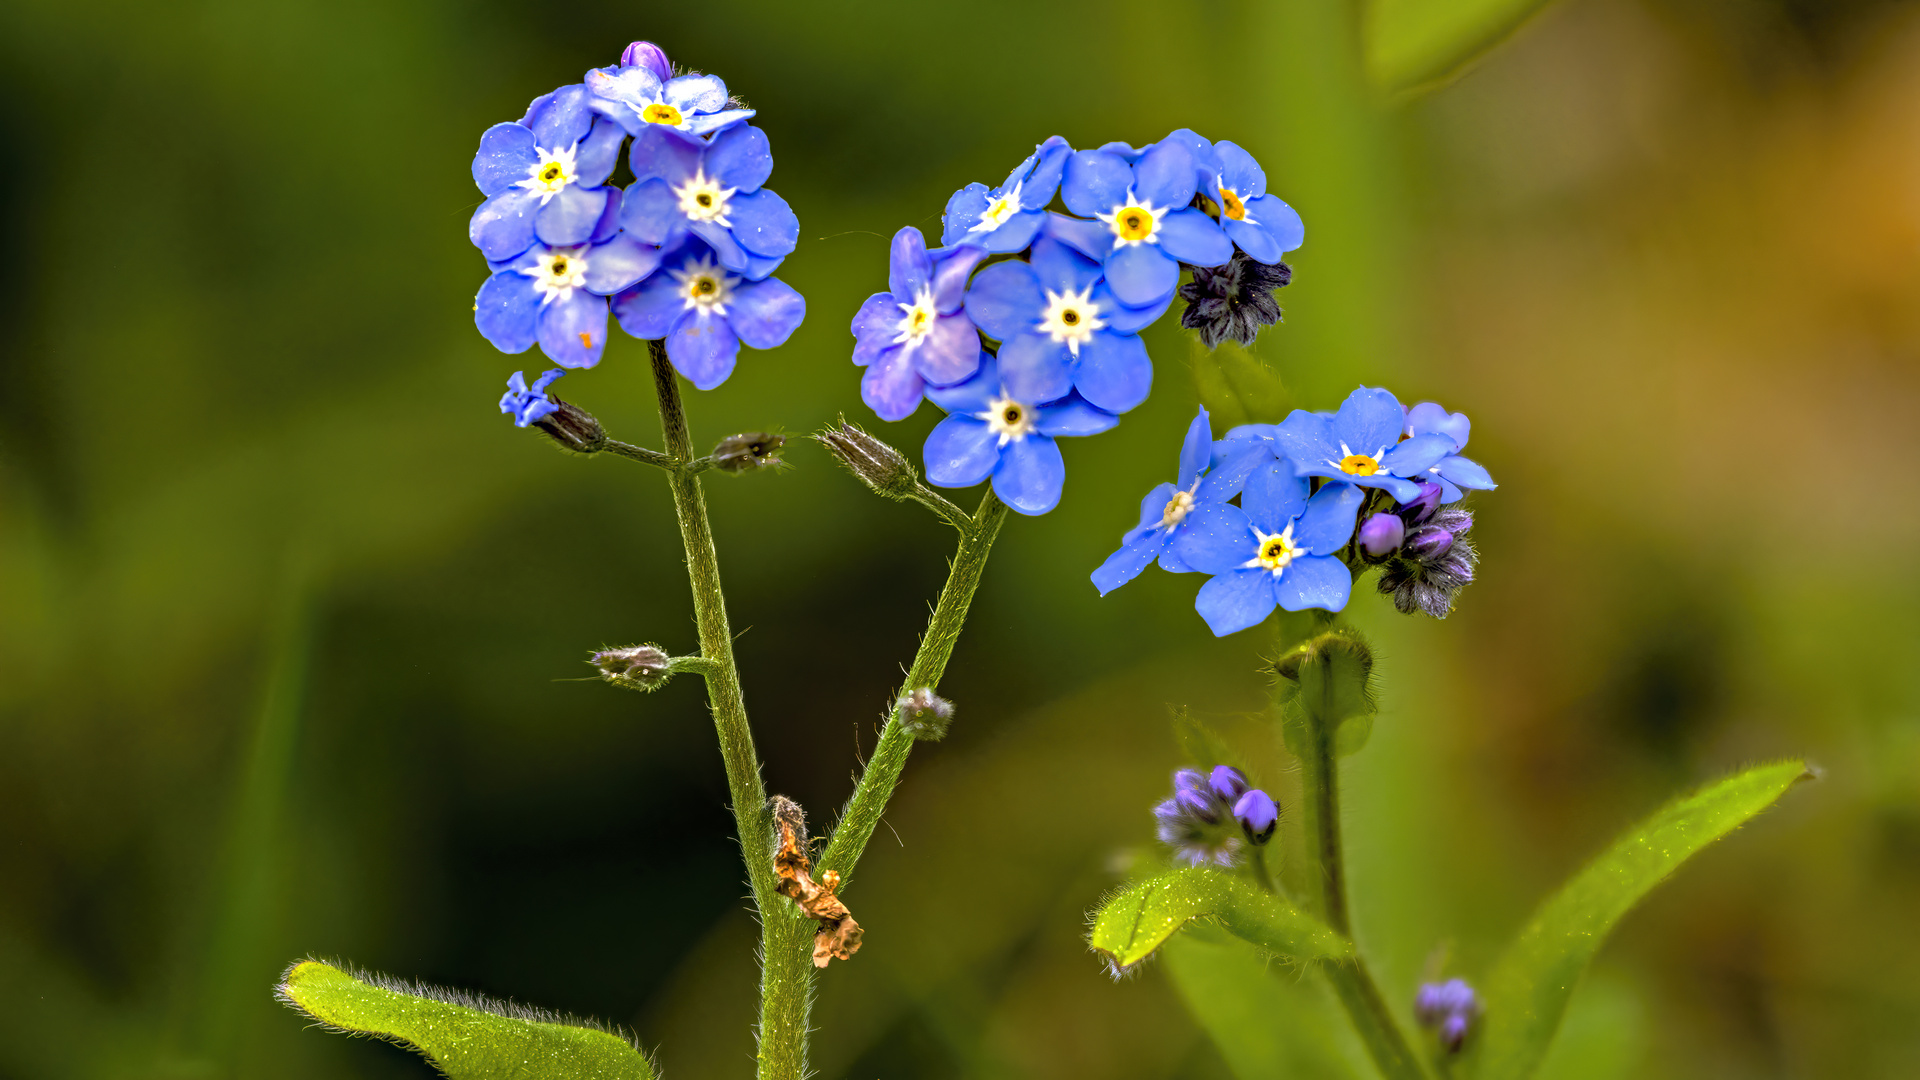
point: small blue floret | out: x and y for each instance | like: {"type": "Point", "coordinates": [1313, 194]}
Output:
{"type": "Point", "coordinates": [529, 405]}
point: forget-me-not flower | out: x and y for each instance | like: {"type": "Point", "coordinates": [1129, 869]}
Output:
{"type": "Point", "coordinates": [1277, 548]}
{"type": "Point", "coordinates": [1452, 472]}
{"type": "Point", "coordinates": [1007, 218]}
{"type": "Point", "coordinates": [643, 93]}
{"type": "Point", "coordinates": [529, 405]}
{"type": "Point", "coordinates": [1165, 510]}
{"type": "Point", "coordinates": [711, 190]}
{"type": "Point", "coordinates": [990, 432]}
{"type": "Point", "coordinates": [1258, 223]}
{"type": "Point", "coordinates": [705, 313]}
{"type": "Point", "coordinates": [916, 333]}
{"type": "Point", "coordinates": [1361, 444]}
{"type": "Point", "coordinates": [542, 176]}
{"type": "Point", "coordinates": [1060, 328]}
{"type": "Point", "coordinates": [1144, 228]}
{"type": "Point", "coordinates": [557, 296]}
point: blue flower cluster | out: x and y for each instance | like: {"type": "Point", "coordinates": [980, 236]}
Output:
{"type": "Point", "coordinates": [1448, 1009]}
{"type": "Point", "coordinates": [1212, 813]}
{"type": "Point", "coordinates": [1302, 484]}
{"type": "Point", "coordinates": [1044, 340]}
{"type": "Point", "coordinates": [683, 254]}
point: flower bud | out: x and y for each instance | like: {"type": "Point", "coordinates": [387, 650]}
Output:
{"type": "Point", "coordinates": [1198, 804]}
{"type": "Point", "coordinates": [1448, 1008]}
{"type": "Point", "coordinates": [572, 427]}
{"type": "Point", "coordinates": [1422, 506]}
{"type": "Point", "coordinates": [1381, 534]}
{"type": "Point", "coordinates": [1228, 783]}
{"type": "Point", "coordinates": [1258, 815]}
{"type": "Point", "coordinates": [1429, 543]}
{"type": "Point", "coordinates": [877, 465]}
{"type": "Point", "coordinates": [748, 451]}
{"type": "Point", "coordinates": [650, 56]}
{"type": "Point", "coordinates": [637, 667]}
{"type": "Point", "coordinates": [925, 715]}
{"type": "Point", "coordinates": [1189, 780]}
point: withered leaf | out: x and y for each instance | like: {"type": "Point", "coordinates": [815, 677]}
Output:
{"type": "Point", "coordinates": [838, 936]}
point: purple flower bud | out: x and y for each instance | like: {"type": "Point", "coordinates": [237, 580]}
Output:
{"type": "Point", "coordinates": [1228, 784]}
{"type": "Point", "coordinates": [650, 56]}
{"type": "Point", "coordinates": [1257, 814]}
{"type": "Point", "coordinates": [1453, 1031]}
{"type": "Point", "coordinates": [1422, 506]}
{"type": "Point", "coordinates": [1198, 804]}
{"type": "Point", "coordinates": [1429, 543]}
{"type": "Point", "coordinates": [1447, 1007]}
{"type": "Point", "coordinates": [1381, 534]}
{"type": "Point", "coordinates": [1189, 780]}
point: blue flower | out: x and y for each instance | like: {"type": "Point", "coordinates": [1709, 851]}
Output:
{"type": "Point", "coordinates": [1361, 444]}
{"type": "Point", "coordinates": [1166, 509]}
{"type": "Point", "coordinates": [542, 176]}
{"type": "Point", "coordinates": [558, 297]}
{"type": "Point", "coordinates": [916, 333]}
{"type": "Point", "coordinates": [1144, 228]}
{"type": "Point", "coordinates": [528, 406]}
{"type": "Point", "coordinates": [1452, 472]}
{"type": "Point", "coordinates": [1007, 218]}
{"type": "Point", "coordinates": [1258, 223]}
{"type": "Point", "coordinates": [1280, 549]}
{"type": "Point", "coordinates": [705, 313]}
{"type": "Point", "coordinates": [642, 94]}
{"type": "Point", "coordinates": [1061, 328]}
{"type": "Point", "coordinates": [713, 191]}
{"type": "Point", "coordinates": [990, 432]}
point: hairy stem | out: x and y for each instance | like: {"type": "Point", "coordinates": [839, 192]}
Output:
{"type": "Point", "coordinates": [786, 974]}
{"type": "Point", "coordinates": [877, 781]}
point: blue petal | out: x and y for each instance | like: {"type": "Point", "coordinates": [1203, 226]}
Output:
{"type": "Point", "coordinates": [1030, 475]}
{"type": "Point", "coordinates": [1229, 475]}
{"type": "Point", "coordinates": [714, 123]}
{"type": "Point", "coordinates": [505, 157]}
{"type": "Point", "coordinates": [1089, 238]}
{"type": "Point", "coordinates": [908, 268]}
{"type": "Point", "coordinates": [1005, 300]}
{"type": "Point", "coordinates": [1049, 164]}
{"type": "Point", "coordinates": [950, 273]}
{"type": "Point", "coordinates": [1429, 418]}
{"type": "Point", "coordinates": [573, 332]}
{"type": "Point", "coordinates": [1194, 239]}
{"type": "Point", "coordinates": [1170, 562]}
{"type": "Point", "coordinates": [1215, 538]}
{"type": "Point", "coordinates": [503, 226]}
{"type": "Point", "coordinates": [739, 158]}
{"type": "Point", "coordinates": [972, 395]}
{"type": "Point", "coordinates": [1014, 234]}
{"type": "Point", "coordinates": [758, 267]}
{"type": "Point", "coordinates": [1235, 601]}
{"type": "Point", "coordinates": [1274, 496]}
{"type": "Point", "coordinates": [1122, 319]}
{"type": "Point", "coordinates": [695, 93]}
{"type": "Point", "coordinates": [1402, 490]}
{"type": "Point", "coordinates": [656, 152]}
{"type": "Point", "coordinates": [599, 153]}
{"type": "Point", "coordinates": [891, 387]}
{"type": "Point", "coordinates": [505, 311]}
{"type": "Point", "coordinates": [1314, 583]}
{"type": "Point", "coordinates": [726, 251]}
{"type": "Point", "coordinates": [1153, 508]}
{"type": "Point", "coordinates": [703, 348]}
{"type": "Point", "coordinates": [1035, 368]}
{"type": "Point", "coordinates": [1206, 161]}
{"type": "Point", "coordinates": [1416, 455]}
{"type": "Point", "coordinates": [1369, 421]}
{"type": "Point", "coordinates": [1197, 450]}
{"type": "Point", "coordinates": [634, 87]}
{"type": "Point", "coordinates": [960, 452]}
{"type": "Point", "coordinates": [561, 118]}
{"type": "Point", "coordinates": [1096, 181]}
{"type": "Point", "coordinates": [1060, 268]}
{"type": "Point", "coordinates": [1073, 417]}
{"type": "Point", "coordinates": [649, 311]}
{"type": "Point", "coordinates": [1239, 172]}
{"type": "Point", "coordinates": [950, 352]}
{"type": "Point", "coordinates": [1465, 473]}
{"type": "Point", "coordinates": [1280, 220]}
{"type": "Point", "coordinates": [1125, 564]}
{"type": "Point", "coordinates": [1307, 440]}
{"type": "Point", "coordinates": [964, 210]}
{"type": "Point", "coordinates": [1164, 177]}
{"type": "Point", "coordinates": [874, 326]}
{"type": "Point", "coordinates": [570, 216]}
{"type": "Point", "coordinates": [763, 223]}
{"type": "Point", "coordinates": [1254, 239]}
{"type": "Point", "coordinates": [1141, 274]}
{"type": "Point", "coordinates": [609, 224]}
{"type": "Point", "coordinates": [1113, 372]}
{"type": "Point", "coordinates": [618, 264]}
{"type": "Point", "coordinates": [765, 313]}
{"type": "Point", "coordinates": [650, 212]}
{"type": "Point", "coordinates": [1327, 524]}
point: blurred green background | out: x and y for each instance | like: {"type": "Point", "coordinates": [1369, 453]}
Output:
{"type": "Point", "coordinates": [292, 621]}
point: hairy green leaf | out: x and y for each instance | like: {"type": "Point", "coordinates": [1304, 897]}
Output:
{"type": "Point", "coordinates": [1136, 920]}
{"type": "Point", "coordinates": [1266, 1019]}
{"type": "Point", "coordinates": [1527, 992]}
{"type": "Point", "coordinates": [467, 1036]}
{"type": "Point", "coordinates": [1237, 388]}
{"type": "Point", "coordinates": [1410, 43]}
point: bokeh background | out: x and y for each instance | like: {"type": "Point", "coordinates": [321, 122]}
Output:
{"type": "Point", "coordinates": [292, 621]}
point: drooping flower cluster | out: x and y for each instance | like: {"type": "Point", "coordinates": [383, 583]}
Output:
{"type": "Point", "coordinates": [683, 254]}
{"type": "Point", "coordinates": [1301, 486]}
{"type": "Point", "coordinates": [1211, 816]}
{"type": "Point", "coordinates": [1044, 339]}
{"type": "Point", "coordinates": [1447, 1009]}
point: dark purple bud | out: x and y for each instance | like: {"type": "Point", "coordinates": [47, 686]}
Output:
{"type": "Point", "coordinates": [1381, 534]}
{"type": "Point", "coordinates": [1453, 1031]}
{"type": "Point", "coordinates": [650, 56]}
{"type": "Point", "coordinates": [1422, 506]}
{"type": "Point", "coordinates": [1198, 804]}
{"type": "Point", "coordinates": [572, 427]}
{"type": "Point", "coordinates": [1257, 814]}
{"type": "Point", "coordinates": [1429, 543]}
{"type": "Point", "coordinates": [1228, 784]}
{"type": "Point", "coordinates": [1189, 780]}
{"type": "Point", "coordinates": [1447, 1007]}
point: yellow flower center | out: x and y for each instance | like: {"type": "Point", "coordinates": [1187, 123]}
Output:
{"type": "Point", "coordinates": [1276, 552]}
{"type": "Point", "coordinates": [1133, 223]}
{"type": "Point", "coordinates": [1012, 414]}
{"type": "Point", "coordinates": [919, 323]}
{"type": "Point", "coordinates": [1232, 205]}
{"type": "Point", "coordinates": [661, 113]}
{"type": "Point", "coordinates": [1359, 465]}
{"type": "Point", "coordinates": [704, 286]}
{"type": "Point", "coordinates": [552, 172]}
{"type": "Point", "coordinates": [1177, 508]}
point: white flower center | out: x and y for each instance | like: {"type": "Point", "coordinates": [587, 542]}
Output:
{"type": "Point", "coordinates": [1008, 419]}
{"type": "Point", "coordinates": [916, 319]}
{"type": "Point", "coordinates": [702, 199]}
{"type": "Point", "coordinates": [554, 170]}
{"type": "Point", "coordinates": [1135, 221]}
{"type": "Point", "coordinates": [1071, 318]}
{"type": "Point", "coordinates": [1177, 508]}
{"type": "Point", "coordinates": [1276, 551]}
{"type": "Point", "coordinates": [556, 274]}
{"type": "Point", "coordinates": [999, 210]}
{"type": "Point", "coordinates": [704, 287]}
{"type": "Point", "coordinates": [1358, 464]}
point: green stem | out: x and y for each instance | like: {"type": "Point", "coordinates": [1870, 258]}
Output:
{"type": "Point", "coordinates": [786, 974]}
{"type": "Point", "coordinates": [877, 781]}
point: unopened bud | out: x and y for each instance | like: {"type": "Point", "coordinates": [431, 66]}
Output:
{"type": "Point", "coordinates": [1258, 815]}
{"type": "Point", "coordinates": [878, 465]}
{"type": "Point", "coordinates": [1429, 543]}
{"type": "Point", "coordinates": [1382, 534]}
{"type": "Point", "coordinates": [650, 56]}
{"type": "Point", "coordinates": [748, 451]}
{"type": "Point", "coordinates": [637, 667]}
{"type": "Point", "coordinates": [1422, 505]}
{"type": "Point", "coordinates": [925, 715]}
{"type": "Point", "coordinates": [1228, 783]}
{"type": "Point", "coordinates": [572, 427]}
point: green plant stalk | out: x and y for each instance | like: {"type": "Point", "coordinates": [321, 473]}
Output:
{"type": "Point", "coordinates": [877, 780]}
{"type": "Point", "coordinates": [786, 973]}
{"type": "Point", "coordinates": [1351, 981]}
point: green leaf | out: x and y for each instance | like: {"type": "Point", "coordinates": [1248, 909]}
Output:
{"type": "Point", "coordinates": [1527, 992]}
{"type": "Point", "coordinates": [467, 1036]}
{"type": "Point", "coordinates": [1135, 921]}
{"type": "Point", "coordinates": [1238, 389]}
{"type": "Point", "coordinates": [1413, 43]}
{"type": "Point", "coordinates": [1266, 1019]}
